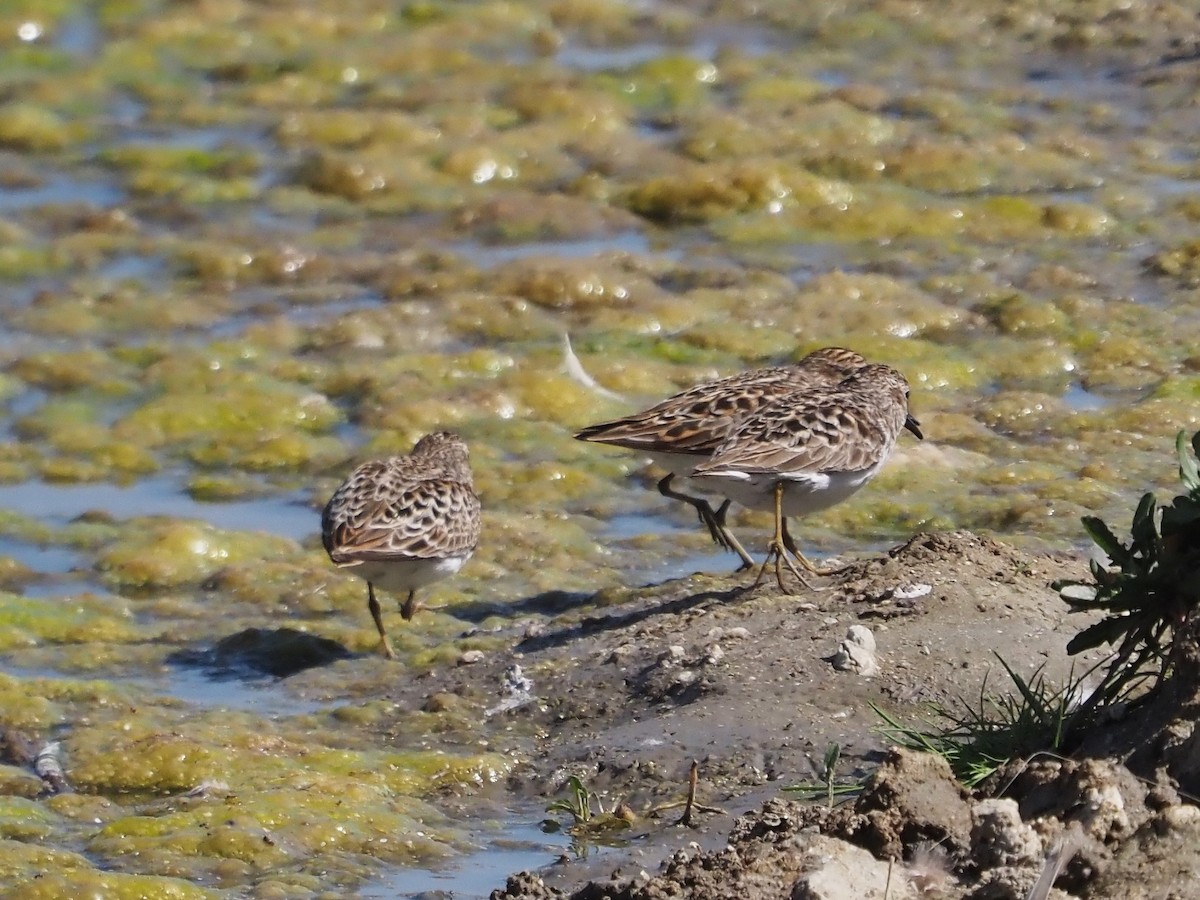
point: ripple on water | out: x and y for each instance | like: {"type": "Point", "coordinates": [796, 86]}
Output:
{"type": "Point", "coordinates": [265, 696]}
{"type": "Point", "coordinates": [132, 267]}
{"type": "Point", "coordinates": [749, 40]}
{"type": "Point", "coordinates": [78, 34]}
{"type": "Point", "coordinates": [195, 687]}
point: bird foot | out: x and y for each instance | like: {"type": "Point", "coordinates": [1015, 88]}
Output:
{"type": "Point", "coordinates": [776, 553]}
{"type": "Point", "coordinates": [385, 647]}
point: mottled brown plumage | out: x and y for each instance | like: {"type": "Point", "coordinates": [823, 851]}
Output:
{"type": "Point", "coordinates": [810, 449]}
{"type": "Point", "coordinates": [685, 429]}
{"type": "Point", "coordinates": [405, 522]}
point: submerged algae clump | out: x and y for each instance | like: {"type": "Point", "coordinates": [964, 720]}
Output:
{"type": "Point", "coordinates": [27, 621]}
{"type": "Point", "coordinates": [110, 885]}
{"type": "Point", "coordinates": [163, 553]}
{"type": "Point", "coordinates": [151, 762]}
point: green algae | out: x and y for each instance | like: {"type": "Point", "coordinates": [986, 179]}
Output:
{"type": "Point", "coordinates": [1181, 262]}
{"type": "Point", "coordinates": [24, 820]}
{"type": "Point", "coordinates": [80, 883]}
{"type": "Point", "coordinates": [19, 858]}
{"type": "Point", "coordinates": [31, 128]}
{"type": "Point", "coordinates": [244, 407]}
{"type": "Point", "coordinates": [41, 703]}
{"type": "Point", "coordinates": [18, 782]}
{"type": "Point", "coordinates": [68, 426]}
{"type": "Point", "coordinates": [71, 371]}
{"type": "Point", "coordinates": [101, 307]}
{"type": "Point", "coordinates": [163, 553]}
{"type": "Point", "coordinates": [215, 487]}
{"type": "Point", "coordinates": [29, 621]}
{"type": "Point", "coordinates": [307, 250]}
{"type": "Point", "coordinates": [334, 802]}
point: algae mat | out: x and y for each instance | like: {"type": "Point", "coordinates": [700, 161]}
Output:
{"type": "Point", "coordinates": [244, 245]}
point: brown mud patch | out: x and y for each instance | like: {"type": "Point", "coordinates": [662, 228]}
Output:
{"type": "Point", "coordinates": [628, 687]}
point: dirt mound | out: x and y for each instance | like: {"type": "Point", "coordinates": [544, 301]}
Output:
{"type": "Point", "coordinates": [1089, 827]}
{"type": "Point", "coordinates": [632, 686]}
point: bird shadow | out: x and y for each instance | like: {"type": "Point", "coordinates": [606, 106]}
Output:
{"type": "Point", "coordinates": [623, 618]}
{"type": "Point", "coordinates": [261, 652]}
{"type": "Point", "coordinates": [547, 603]}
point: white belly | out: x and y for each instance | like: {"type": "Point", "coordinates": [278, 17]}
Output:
{"type": "Point", "coordinates": [407, 574]}
{"type": "Point", "coordinates": [802, 494]}
{"type": "Point", "coordinates": [678, 463]}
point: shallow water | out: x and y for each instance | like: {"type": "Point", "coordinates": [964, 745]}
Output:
{"type": "Point", "coordinates": [287, 516]}
{"type": "Point", "coordinates": [240, 254]}
{"type": "Point", "coordinates": [514, 844]}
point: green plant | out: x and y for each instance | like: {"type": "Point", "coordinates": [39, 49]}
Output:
{"type": "Point", "coordinates": [1148, 590]}
{"type": "Point", "coordinates": [578, 804]}
{"type": "Point", "coordinates": [585, 823]}
{"type": "Point", "coordinates": [977, 738]}
{"type": "Point", "coordinates": [828, 784]}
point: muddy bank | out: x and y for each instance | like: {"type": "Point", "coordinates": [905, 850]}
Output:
{"type": "Point", "coordinates": [625, 690]}
{"type": "Point", "coordinates": [1088, 827]}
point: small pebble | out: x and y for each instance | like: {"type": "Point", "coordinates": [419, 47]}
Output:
{"type": "Point", "coordinates": [684, 677]}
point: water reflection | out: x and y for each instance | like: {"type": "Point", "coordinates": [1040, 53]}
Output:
{"type": "Point", "coordinates": [61, 190]}
{"type": "Point", "coordinates": [518, 845]}
{"type": "Point", "coordinates": [286, 515]}
{"type": "Point", "coordinates": [494, 255]}
{"type": "Point", "coordinates": [265, 696]}
{"type": "Point", "coordinates": [45, 560]}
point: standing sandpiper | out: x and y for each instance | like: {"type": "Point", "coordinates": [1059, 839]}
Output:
{"type": "Point", "coordinates": [809, 450]}
{"type": "Point", "coordinates": [405, 522]}
{"type": "Point", "coordinates": [687, 427]}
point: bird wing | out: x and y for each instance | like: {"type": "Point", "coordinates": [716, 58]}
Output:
{"type": "Point", "coordinates": [693, 421]}
{"type": "Point", "coordinates": [426, 519]}
{"type": "Point", "coordinates": [798, 434]}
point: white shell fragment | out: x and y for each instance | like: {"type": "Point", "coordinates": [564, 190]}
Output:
{"type": "Point", "coordinates": [857, 652]}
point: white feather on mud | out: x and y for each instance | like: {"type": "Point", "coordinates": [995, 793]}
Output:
{"type": "Point", "coordinates": [576, 370]}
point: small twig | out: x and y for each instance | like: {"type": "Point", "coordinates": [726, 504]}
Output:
{"type": "Point", "coordinates": [689, 805]}
{"type": "Point", "coordinates": [693, 777]}
{"type": "Point", "coordinates": [654, 811]}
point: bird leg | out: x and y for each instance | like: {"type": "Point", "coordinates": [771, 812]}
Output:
{"type": "Point", "coordinates": [776, 547]}
{"type": "Point", "coordinates": [713, 521]}
{"type": "Point", "coordinates": [733, 543]}
{"type": "Point", "coordinates": [410, 607]}
{"type": "Point", "coordinates": [377, 614]}
{"type": "Point", "coordinates": [790, 544]}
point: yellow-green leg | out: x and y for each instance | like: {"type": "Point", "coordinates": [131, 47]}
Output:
{"type": "Point", "coordinates": [377, 614]}
{"type": "Point", "coordinates": [731, 542]}
{"type": "Point", "coordinates": [777, 548]}
{"type": "Point", "coordinates": [790, 544]}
